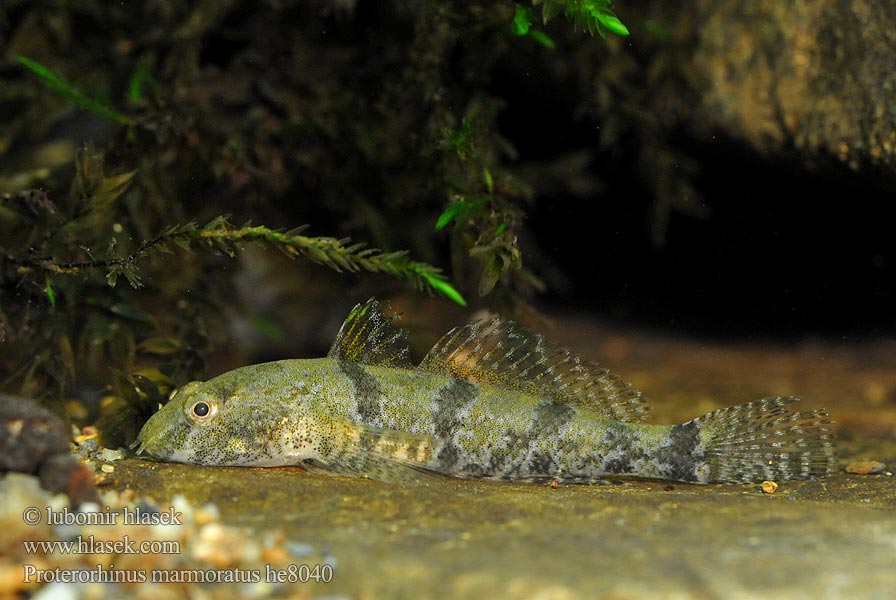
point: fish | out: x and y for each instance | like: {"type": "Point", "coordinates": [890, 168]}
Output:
{"type": "Point", "coordinates": [491, 400]}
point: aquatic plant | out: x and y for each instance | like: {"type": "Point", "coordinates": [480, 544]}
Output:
{"type": "Point", "coordinates": [59, 84]}
{"type": "Point", "coordinates": [53, 257]}
{"type": "Point", "coordinates": [209, 116]}
{"type": "Point", "coordinates": [593, 16]}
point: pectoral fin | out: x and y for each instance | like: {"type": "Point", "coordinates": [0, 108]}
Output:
{"type": "Point", "coordinates": [381, 454]}
{"type": "Point", "coordinates": [373, 467]}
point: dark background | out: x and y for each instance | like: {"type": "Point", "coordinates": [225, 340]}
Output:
{"type": "Point", "coordinates": [783, 249]}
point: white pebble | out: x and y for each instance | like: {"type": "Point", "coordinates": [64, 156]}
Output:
{"type": "Point", "coordinates": [57, 591]}
{"type": "Point", "coordinates": [110, 455]}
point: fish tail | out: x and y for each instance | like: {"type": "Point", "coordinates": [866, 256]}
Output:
{"type": "Point", "coordinates": [765, 440]}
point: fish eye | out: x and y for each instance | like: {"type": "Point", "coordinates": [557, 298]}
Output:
{"type": "Point", "coordinates": [201, 411]}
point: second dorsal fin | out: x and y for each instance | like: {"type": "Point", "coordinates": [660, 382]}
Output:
{"type": "Point", "coordinates": [369, 337]}
{"type": "Point", "coordinates": [505, 354]}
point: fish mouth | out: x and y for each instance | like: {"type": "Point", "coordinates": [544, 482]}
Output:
{"type": "Point", "coordinates": [139, 450]}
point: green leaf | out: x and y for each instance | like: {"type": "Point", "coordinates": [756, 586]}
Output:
{"type": "Point", "coordinates": [341, 259]}
{"type": "Point", "coordinates": [593, 16]}
{"type": "Point", "coordinates": [219, 222]}
{"type": "Point", "coordinates": [129, 311]}
{"type": "Point", "coordinates": [655, 29]}
{"type": "Point", "coordinates": [161, 345]}
{"type": "Point", "coordinates": [111, 188]}
{"type": "Point", "coordinates": [522, 19]}
{"type": "Point", "coordinates": [126, 389]}
{"type": "Point", "coordinates": [612, 23]}
{"type": "Point", "coordinates": [66, 357]}
{"type": "Point", "coordinates": [448, 215]}
{"type": "Point", "coordinates": [154, 375]}
{"type": "Point", "coordinates": [51, 294]}
{"type": "Point", "coordinates": [445, 288]}
{"type": "Point", "coordinates": [542, 38]}
{"type": "Point", "coordinates": [59, 84]}
{"type": "Point", "coordinates": [490, 276]}
{"type": "Point", "coordinates": [140, 80]}
{"type": "Point", "coordinates": [184, 244]}
{"type": "Point", "coordinates": [489, 181]}
{"type": "Point", "coordinates": [461, 140]}
{"type": "Point", "coordinates": [456, 210]}
{"type": "Point", "coordinates": [266, 326]}
{"type": "Point", "coordinates": [550, 9]}
{"type": "Point", "coordinates": [147, 386]}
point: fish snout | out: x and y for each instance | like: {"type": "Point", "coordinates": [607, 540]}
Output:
{"type": "Point", "coordinates": [154, 438]}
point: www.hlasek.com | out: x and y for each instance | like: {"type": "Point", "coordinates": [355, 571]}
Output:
{"type": "Point", "coordinates": [91, 545]}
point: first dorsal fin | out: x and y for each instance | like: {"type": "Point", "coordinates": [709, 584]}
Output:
{"type": "Point", "coordinates": [369, 337]}
{"type": "Point", "coordinates": [506, 354]}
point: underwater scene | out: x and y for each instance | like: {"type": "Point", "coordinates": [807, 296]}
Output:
{"type": "Point", "coordinates": [355, 299]}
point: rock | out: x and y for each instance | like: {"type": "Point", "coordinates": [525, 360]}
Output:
{"type": "Point", "coordinates": [109, 455]}
{"type": "Point", "coordinates": [62, 473]}
{"type": "Point", "coordinates": [28, 434]}
{"type": "Point", "coordinates": [35, 441]}
{"type": "Point", "coordinates": [769, 487]}
{"type": "Point", "coordinates": [865, 467]}
{"type": "Point", "coordinates": [88, 448]}
{"type": "Point", "coordinates": [814, 79]}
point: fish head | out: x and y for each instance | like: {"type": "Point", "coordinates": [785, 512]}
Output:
{"type": "Point", "coordinates": [188, 428]}
{"type": "Point", "coordinates": [239, 418]}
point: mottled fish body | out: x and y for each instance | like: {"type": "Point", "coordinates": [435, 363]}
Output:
{"type": "Point", "coordinates": [490, 401]}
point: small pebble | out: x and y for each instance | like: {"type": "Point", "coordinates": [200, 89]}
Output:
{"type": "Point", "coordinates": [58, 591]}
{"type": "Point", "coordinates": [110, 455]}
{"type": "Point", "coordinates": [865, 467]}
{"type": "Point", "coordinates": [107, 469]}
{"type": "Point", "coordinates": [87, 448]}
{"type": "Point", "coordinates": [299, 549]}
{"type": "Point", "coordinates": [769, 487]}
{"type": "Point", "coordinates": [207, 513]}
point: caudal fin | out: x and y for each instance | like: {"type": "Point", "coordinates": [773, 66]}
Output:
{"type": "Point", "coordinates": [765, 439]}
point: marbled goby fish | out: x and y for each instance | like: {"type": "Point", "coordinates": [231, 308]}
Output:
{"type": "Point", "coordinates": [491, 400]}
